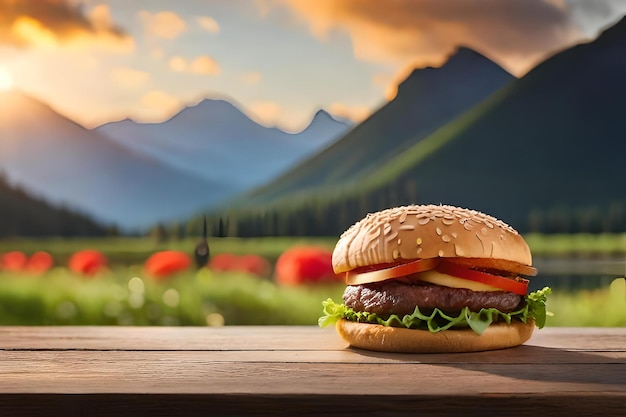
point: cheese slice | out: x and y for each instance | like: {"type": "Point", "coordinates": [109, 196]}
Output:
{"type": "Point", "coordinates": [436, 277]}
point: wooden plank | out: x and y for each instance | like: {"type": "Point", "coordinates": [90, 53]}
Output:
{"type": "Point", "coordinates": [581, 338]}
{"type": "Point", "coordinates": [168, 372]}
{"type": "Point", "coordinates": [529, 355]}
{"type": "Point", "coordinates": [255, 338]}
{"type": "Point", "coordinates": [170, 338]}
{"type": "Point", "coordinates": [300, 371]}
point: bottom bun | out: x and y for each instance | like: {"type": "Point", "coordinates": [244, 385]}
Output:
{"type": "Point", "coordinates": [395, 339]}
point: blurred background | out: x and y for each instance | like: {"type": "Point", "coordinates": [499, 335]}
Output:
{"type": "Point", "coordinates": [194, 162]}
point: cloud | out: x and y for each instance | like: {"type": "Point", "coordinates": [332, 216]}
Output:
{"type": "Point", "coordinates": [166, 24]}
{"type": "Point", "coordinates": [178, 64]}
{"type": "Point", "coordinates": [355, 113]}
{"type": "Point", "coordinates": [252, 77]}
{"type": "Point", "coordinates": [208, 23]}
{"type": "Point", "coordinates": [590, 16]}
{"type": "Point", "coordinates": [204, 65]}
{"type": "Point", "coordinates": [515, 33]}
{"type": "Point", "coordinates": [265, 112]}
{"type": "Point", "coordinates": [388, 83]}
{"type": "Point", "coordinates": [201, 65]}
{"type": "Point", "coordinates": [55, 23]}
{"type": "Point", "coordinates": [128, 77]}
{"type": "Point", "coordinates": [159, 105]}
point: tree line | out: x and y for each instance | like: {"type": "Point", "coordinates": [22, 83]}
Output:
{"type": "Point", "coordinates": [330, 217]}
{"type": "Point", "coordinates": [23, 215]}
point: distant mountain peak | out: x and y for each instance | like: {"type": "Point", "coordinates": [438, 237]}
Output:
{"type": "Point", "coordinates": [463, 55]}
{"type": "Point", "coordinates": [322, 118]}
{"type": "Point", "coordinates": [323, 115]}
{"type": "Point", "coordinates": [463, 63]}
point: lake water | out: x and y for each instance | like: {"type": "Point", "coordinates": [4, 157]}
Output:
{"type": "Point", "coordinates": [576, 273]}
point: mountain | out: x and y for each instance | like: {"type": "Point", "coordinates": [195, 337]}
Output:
{"type": "Point", "coordinates": [53, 158]}
{"type": "Point", "coordinates": [216, 141]}
{"type": "Point", "coordinates": [428, 99]}
{"type": "Point", "coordinates": [545, 153]}
{"type": "Point", "coordinates": [25, 216]}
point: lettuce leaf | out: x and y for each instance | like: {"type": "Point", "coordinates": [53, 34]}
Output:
{"type": "Point", "coordinates": [534, 308]}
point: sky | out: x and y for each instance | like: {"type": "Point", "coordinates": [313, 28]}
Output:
{"type": "Point", "coordinates": [279, 61]}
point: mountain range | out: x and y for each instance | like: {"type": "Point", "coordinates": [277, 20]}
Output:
{"type": "Point", "coordinates": [216, 141]}
{"type": "Point", "coordinates": [426, 100]}
{"type": "Point", "coordinates": [133, 175]}
{"type": "Point", "coordinates": [543, 153]}
{"type": "Point", "coordinates": [58, 160]}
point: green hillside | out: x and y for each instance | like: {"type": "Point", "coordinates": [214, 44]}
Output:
{"type": "Point", "coordinates": [426, 100]}
{"type": "Point", "coordinates": [544, 154]}
{"type": "Point", "coordinates": [22, 215]}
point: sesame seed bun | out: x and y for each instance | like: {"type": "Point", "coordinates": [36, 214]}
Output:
{"type": "Point", "coordinates": [393, 339]}
{"type": "Point", "coordinates": [432, 231]}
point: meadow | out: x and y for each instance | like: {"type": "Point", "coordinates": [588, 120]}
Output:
{"type": "Point", "coordinates": [124, 294]}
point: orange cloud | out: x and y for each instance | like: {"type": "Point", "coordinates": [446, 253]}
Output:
{"type": "Point", "coordinates": [128, 77]}
{"type": "Point", "coordinates": [202, 65]}
{"type": "Point", "coordinates": [515, 33]}
{"type": "Point", "coordinates": [54, 23]}
{"type": "Point", "coordinates": [158, 104]}
{"type": "Point", "coordinates": [265, 112]}
{"type": "Point", "coordinates": [253, 77]}
{"type": "Point", "coordinates": [166, 25]}
{"type": "Point", "coordinates": [208, 23]}
{"type": "Point", "coordinates": [177, 64]}
{"type": "Point", "coordinates": [355, 113]}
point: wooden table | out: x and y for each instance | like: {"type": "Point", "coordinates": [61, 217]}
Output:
{"type": "Point", "coordinates": [298, 371]}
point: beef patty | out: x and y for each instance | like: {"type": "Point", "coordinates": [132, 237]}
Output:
{"type": "Point", "coordinates": [397, 297]}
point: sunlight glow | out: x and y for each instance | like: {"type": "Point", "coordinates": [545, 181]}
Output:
{"type": "Point", "coordinates": [6, 80]}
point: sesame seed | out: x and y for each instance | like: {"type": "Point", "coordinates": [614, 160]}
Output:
{"type": "Point", "coordinates": [418, 240]}
{"type": "Point", "coordinates": [440, 252]}
{"type": "Point", "coordinates": [438, 230]}
{"type": "Point", "coordinates": [445, 238]}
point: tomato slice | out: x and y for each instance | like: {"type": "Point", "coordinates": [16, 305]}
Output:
{"type": "Point", "coordinates": [518, 286]}
{"type": "Point", "coordinates": [413, 267]}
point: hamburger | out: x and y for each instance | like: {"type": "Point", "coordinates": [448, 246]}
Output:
{"type": "Point", "coordinates": [434, 278]}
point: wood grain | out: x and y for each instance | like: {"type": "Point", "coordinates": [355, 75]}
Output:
{"type": "Point", "coordinates": [302, 370]}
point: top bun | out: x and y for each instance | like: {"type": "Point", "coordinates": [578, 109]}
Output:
{"type": "Point", "coordinates": [428, 231]}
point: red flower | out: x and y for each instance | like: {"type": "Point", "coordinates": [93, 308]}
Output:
{"type": "Point", "coordinates": [13, 261]}
{"type": "Point", "coordinates": [166, 263]}
{"type": "Point", "coordinates": [39, 262]}
{"type": "Point", "coordinates": [87, 262]}
{"type": "Point", "coordinates": [222, 262]}
{"type": "Point", "coordinates": [300, 265]}
{"type": "Point", "coordinates": [250, 264]}
{"type": "Point", "coordinates": [253, 264]}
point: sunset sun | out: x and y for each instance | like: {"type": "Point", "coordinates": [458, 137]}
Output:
{"type": "Point", "coordinates": [6, 80]}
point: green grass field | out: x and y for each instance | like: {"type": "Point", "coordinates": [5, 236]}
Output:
{"type": "Point", "coordinates": [125, 296]}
